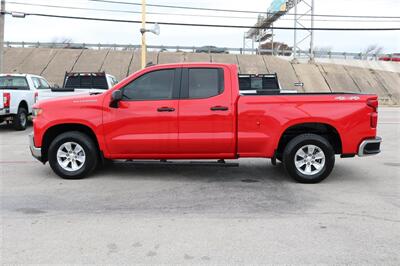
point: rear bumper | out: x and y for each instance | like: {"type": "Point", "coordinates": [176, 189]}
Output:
{"type": "Point", "coordinates": [370, 147]}
{"type": "Point", "coordinates": [36, 152]}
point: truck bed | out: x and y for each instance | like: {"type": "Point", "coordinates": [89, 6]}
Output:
{"type": "Point", "coordinates": [263, 118]}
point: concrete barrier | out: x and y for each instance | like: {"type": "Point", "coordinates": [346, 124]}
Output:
{"type": "Point", "coordinates": [337, 78]}
{"type": "Point", "coordinates": [310, 75]}
{"type": "Point", "coordinates": [63, 61]}
{"type": "Point", "coordinates": [90, 60]}
{"type": "Point", "coordinates": [372, 64]}
{"type": "Point", "coordinates": [251, 64]}
{"type": "Point", "coordinates": [224, 58]}
{"type": "Point", "coordinates": [117, 63]}
{"type": "Point", "coordinates": [368, 82]}
{"type": "Point", "coordinates": [151, 57]}
{"type": "Point", "coordinates": [391, 82]}
{"type": "Point", "coordinates": [37, 62]}
{"type": "Point", "coordinates": [197, 57]}
{"type": "Point", "coordinates": [284, 69]}
{"type": "Point", "coordinates": [168, 57]}
{"type": "Point", "coordinates": [14, 58]}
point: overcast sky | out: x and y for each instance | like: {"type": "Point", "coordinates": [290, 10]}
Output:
{"type": "Point", "coordinates": [48, 29]}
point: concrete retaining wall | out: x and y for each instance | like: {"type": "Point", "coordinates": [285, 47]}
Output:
{"type": "Point", "coordinates": [382, 78]}
{"type": "Point", "coordinates": [286, 74]}
{"type": "Point", "coordinates": [63, 61]}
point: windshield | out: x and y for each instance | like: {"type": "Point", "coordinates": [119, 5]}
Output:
{"type": "Point", "coordinates": [19, 83]}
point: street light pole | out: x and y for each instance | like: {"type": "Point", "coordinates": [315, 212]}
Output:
{"type": "Point", "coordinates": [143, 31]}
{"type": "Point", "coordinates": [2, 19]}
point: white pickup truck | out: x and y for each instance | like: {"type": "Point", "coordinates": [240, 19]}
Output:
{"type": "Point", "coordinates": [18, 94]}
{"type": "Point", "coordinates": [80, 83]}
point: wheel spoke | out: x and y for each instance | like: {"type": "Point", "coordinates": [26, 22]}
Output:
{"type": "Point", "coordinates": [62, 154]}
{"type": "Point", "coordinates": [301, 153]}
{"type": "Point", "coordinates": [308, 169]}
{"type": "Point", "coordinates": [319, 155]}
{"type": "Point", "coordinates": [78, 149]}
{"type": "Point", "coordinates": [317, 166]}
{"type": "Point", "coordinates": [68, 146]}
{"type": "Point", "coordinates": [300, 164]}
{"type": "Point", "coordinates": [65, 163]}
{"type": "Point", "coordinates": [74, 166]}
{"type": "Point", "coordinates": [311, 149]}
{"type": "Point", "coordinates": [80, 158]}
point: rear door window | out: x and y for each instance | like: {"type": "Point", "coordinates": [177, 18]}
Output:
{"type": "Point", "coordinates": [204, 83]}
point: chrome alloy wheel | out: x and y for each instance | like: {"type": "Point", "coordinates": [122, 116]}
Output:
{"type": "Point", "coordinates": [71, 156]}
{"type": "Point", "coordinates": [309, 160]}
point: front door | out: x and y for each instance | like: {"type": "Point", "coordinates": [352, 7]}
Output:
{"type": "Point", "coordinates": [206, 114]}
{"type": "Point", "coordinates": [145, 124]}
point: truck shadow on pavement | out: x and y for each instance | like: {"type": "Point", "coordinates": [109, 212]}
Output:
{"type": "Point", "coordinates": [246, 173]}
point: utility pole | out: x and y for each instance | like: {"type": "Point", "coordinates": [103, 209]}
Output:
{"type": "Point", "coordinates": [143, 31]}
{"type": "Point", "coordinates": [312, 33]}
{"type": "Point", "coordinates": [295, 33]}
{"type": "Point", "coordinates": [2, 20]}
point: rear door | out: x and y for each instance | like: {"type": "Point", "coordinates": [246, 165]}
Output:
{"type": "Point", "coordinates": [206, 113]}
{"type": "Point", "coordinates": [145, 125]}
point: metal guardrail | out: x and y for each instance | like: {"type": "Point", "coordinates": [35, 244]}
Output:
{"type": "Point", "coordinates": [177, 48]}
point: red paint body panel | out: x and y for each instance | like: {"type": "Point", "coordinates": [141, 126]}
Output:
{"type": "Point", "coordinates": [251, 127]}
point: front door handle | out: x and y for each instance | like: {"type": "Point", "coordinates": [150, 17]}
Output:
{"type": "Point", "coordinates": [219, 108]}
{"type": "Point", "coordinates": [165, 109]}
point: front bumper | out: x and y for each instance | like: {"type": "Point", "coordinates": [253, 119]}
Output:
{"type": "Point", "coordinates": [36, 152]}
{"type": "Point", "coordinates": [370, 147]}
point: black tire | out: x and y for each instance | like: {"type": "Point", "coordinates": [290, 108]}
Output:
{"type": "Point", "coordinates": [298, 143]}
{"type": "Point", "coordinates": [20, 119]}
{"type": "Point", "coordinates": [90, 152]}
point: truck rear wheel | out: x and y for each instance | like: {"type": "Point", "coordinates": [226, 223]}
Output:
{"type": "Point", "coordinates": [20, 119]}
{"type": "Point", "coordinates": [73, 155]}
{"type": "Point", "coordinates": [309, 158]}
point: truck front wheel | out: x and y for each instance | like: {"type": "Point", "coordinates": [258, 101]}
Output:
{"type": "Point", "coordinates": [73, 155]}
{"type": "Point", "coordinates": [309, 158]}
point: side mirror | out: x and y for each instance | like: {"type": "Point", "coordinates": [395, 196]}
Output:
{"type": "Point", "coordinates": [116, 96]}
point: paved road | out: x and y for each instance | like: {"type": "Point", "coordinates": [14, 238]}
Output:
{"type": "Point", "coordinates": [202, 215]}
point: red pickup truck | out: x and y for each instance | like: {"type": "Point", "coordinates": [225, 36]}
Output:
{"type": "Point", "coordinates": [204, 111]}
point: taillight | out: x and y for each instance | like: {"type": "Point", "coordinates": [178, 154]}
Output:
{"type": "Point", "coordinates": [373, 103]}
{"type": "Point", "coordinates": [36, 97]}
{"type": "Point", "coordinates": [6, 99]}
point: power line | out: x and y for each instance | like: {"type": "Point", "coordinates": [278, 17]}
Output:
{"type": "Point", "coordinates": [197, 24]}
{"type": "Point", "coordinates": [125, 11]}
{"type": "Point", "coordinates": [180, 14]}
{"type": "Point", "coordinates": [240, 11]}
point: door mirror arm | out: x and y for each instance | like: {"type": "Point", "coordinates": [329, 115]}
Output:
{"type": "Point", "coordinates": [116, 97]}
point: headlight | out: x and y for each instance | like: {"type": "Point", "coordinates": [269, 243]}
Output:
{"type": "Point", "coordinates": [36, 112]}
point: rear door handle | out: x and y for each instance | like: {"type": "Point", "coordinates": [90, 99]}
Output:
{"type": "Point", "coordinates": [165, 109]}
{"type": "Point", "coordinates": [219, 108]}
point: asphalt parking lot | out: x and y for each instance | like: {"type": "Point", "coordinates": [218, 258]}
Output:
{"type": "Point", "coordinates": [253, 214]}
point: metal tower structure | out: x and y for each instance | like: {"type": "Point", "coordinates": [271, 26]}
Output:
{"type": "Point", "coordinates": [303, 20]}
{"type": "Point", "coordinates": [278, 9]}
